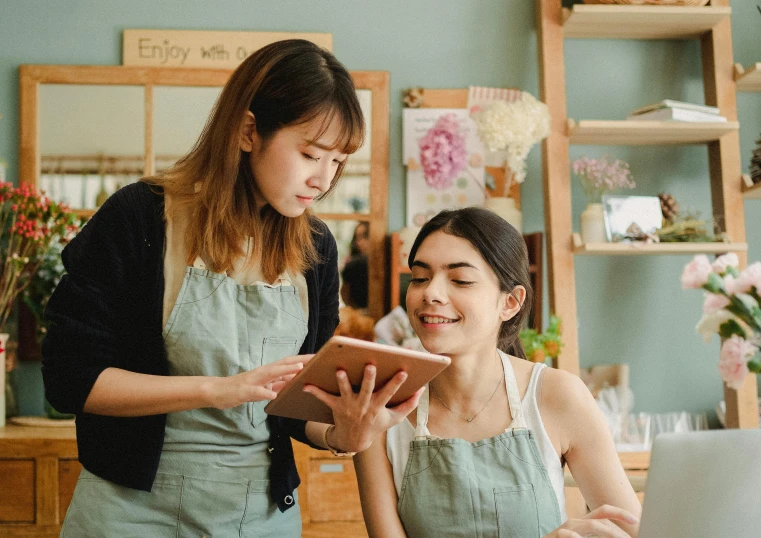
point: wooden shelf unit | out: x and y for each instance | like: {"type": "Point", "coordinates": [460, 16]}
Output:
{"type": "Point", "coordinates": [748, 79]}
{"type": "Point", "coordinates": [642, 133]}
{"type": "Point", "coordinates": [655, 249]}
{"type": "Point", "coordinates": [640, 22]}
{"type": "Point", "coordinates": [751, 191]}
{"type": "Point", "coordinates": [554, 25]}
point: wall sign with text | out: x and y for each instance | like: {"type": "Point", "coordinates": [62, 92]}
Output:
{"type": "Point", "coordinates": [202, 48]}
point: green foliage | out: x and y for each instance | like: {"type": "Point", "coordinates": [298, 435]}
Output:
{"type": "Point", "coordinates": [538, 346]}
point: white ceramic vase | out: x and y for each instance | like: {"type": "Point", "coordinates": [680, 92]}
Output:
{"type": "Point", "coordinates": [3, 344]}
{"type": "Point", "coordinates": [505, 208]}
{"type": "Point", "coordinates": [593, 224]}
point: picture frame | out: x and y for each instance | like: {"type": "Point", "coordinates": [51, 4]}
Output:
{"type": "Point", "coordinates": [631, 218]}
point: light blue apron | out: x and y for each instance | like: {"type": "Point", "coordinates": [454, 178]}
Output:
{"type": "Point", "coordinates": [497, 487]}
{"type": "Point", "coordinates": [213, 476]}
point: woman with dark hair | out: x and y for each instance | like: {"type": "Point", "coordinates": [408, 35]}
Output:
{"type": "Point", "coordinates": [483, 453]}
{"type": "Point", "coordinates": [192, 297]}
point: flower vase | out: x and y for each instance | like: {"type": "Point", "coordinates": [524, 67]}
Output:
{"type": "Point", "coordinates": [593, 224]}
{"type": "Point", "coordinates": [3, 343]}
{"type": "Point", "coordinates": [506, 208]}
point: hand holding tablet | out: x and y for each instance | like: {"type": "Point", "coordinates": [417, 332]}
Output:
{"type": "Point", "coordinates": [351, 356]}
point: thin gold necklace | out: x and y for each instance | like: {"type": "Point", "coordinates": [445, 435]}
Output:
{"type": "Point", "coordinates": [501, 379]}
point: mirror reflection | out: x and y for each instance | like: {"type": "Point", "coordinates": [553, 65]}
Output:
{"type": "Point", "coordinates": [91, 141]}
{"type": "Point", "coordinates": [179, 115]}
{"type": "Point", "coordinates": [353, 192]}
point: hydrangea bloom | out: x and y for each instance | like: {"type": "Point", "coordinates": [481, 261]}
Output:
{"type": "Point", "coordinates": [442, 152]}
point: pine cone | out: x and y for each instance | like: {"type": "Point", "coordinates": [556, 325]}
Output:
{"type": "Point", "coordinates": [669, 207]}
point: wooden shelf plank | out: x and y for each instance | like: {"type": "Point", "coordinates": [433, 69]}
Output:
{"type": "Point", "coordinates": [641, 22]}
{"type": "Point", "coordinates": [637, 133]}
{"type": "Point", "coordinates": [654, 249]}
{"type": "Point", "coordinates": [751, 191]}
{"type": "Point", "coordinates": [748, 79]}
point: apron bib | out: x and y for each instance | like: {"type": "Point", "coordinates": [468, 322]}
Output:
{"type": "Point", "coordinates": [497, 487]}
{"type": "Point", "coordinates": [213, 476]}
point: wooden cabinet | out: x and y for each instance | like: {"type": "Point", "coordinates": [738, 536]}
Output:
{"type": "Point", "coordinates": [328, 495]}
{"type": "Point", "coordinates": [38, 472]}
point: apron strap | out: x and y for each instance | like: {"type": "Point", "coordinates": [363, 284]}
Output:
{"type": "Point", "coordinates": [513, 394]}
{"type": "Point", "coordinates": [421, 420]}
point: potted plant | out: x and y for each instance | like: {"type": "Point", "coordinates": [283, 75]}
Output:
{"type": "Point", "coordinates": [512, 128]}
{"type": "Point", "coordinates": [29, 224]}
{"type": "Point", "coordinates": [598, 177]}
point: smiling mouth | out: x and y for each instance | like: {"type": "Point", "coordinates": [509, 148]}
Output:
{"type": "Point", "coordinates": [435, 320]}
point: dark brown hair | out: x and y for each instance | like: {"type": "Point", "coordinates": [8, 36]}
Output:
{"type": "Point", "coordinates": [502, 247]}
{"type": "Point", "coordinates": [286, 83]}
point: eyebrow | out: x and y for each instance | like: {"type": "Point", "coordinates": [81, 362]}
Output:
{"type": "Point", "coordinates": [456, 265]}
{"type": "Point", "coordinates": [319, 145]}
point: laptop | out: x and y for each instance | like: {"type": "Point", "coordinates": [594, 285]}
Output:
{"type": "Point", "coordinates": [704, 485]}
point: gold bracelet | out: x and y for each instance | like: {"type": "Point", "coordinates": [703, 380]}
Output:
{"type": "Point", "coordinates": [327, 445]}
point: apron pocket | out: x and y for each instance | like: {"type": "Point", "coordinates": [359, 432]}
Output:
{"type": "Point", "coordinates": [517, 514]}
{"type": "Point", "coordinates": [273, 349]}
{"type": "Point", "coordinates": [102, 508]}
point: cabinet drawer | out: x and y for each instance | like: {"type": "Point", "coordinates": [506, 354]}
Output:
{"type": "Point", "coordinates": [333, 492]}
{"type": "Point", "coordinates": [68, 473]}
{"type": "Point", "coordinates": [17, 491]}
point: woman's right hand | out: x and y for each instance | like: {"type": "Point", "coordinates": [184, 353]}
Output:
{"type": "Point", "coordinates": [598, 523]}
{"type": "Point", "coordinates": [262, 383]}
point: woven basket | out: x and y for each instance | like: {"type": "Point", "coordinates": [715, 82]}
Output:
{"type": "Point", "coordinates": [692, 3]}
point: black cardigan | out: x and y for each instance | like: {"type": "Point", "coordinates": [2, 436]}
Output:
{"type": "Point", "coordinates": [107, 312]}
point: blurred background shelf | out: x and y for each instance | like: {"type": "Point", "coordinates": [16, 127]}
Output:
{"type": "Point", "coordinates": [748, 79]}
{"type": "Point", "coordinates": [640, 22]}
{"type": "Point", "coordinates": [655, 249]}
{"type": "Point", "coordinates": [639, 133]}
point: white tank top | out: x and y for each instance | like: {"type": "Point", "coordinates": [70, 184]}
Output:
{"type": "Point", "coordinates": [399, 437]}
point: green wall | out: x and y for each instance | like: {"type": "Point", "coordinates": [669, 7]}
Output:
{"type": "Point", "coordinates": [630, 309]}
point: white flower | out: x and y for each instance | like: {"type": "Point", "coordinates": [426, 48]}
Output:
{"type": "Point", "coordinates": [710, 322]}
{"type": "Point", "coordinates": [515, 127]}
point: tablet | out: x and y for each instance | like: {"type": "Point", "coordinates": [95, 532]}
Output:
{"type": "Point", "coordinates": [351, 355]}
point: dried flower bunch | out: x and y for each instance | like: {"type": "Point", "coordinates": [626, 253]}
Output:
{"type": "Point", "coordinates": [443, 155]}
{"type": "Point", "coordinates": [515, 127]}
{"type": "Point", "coordinates": [731, 310]}
{"type": "Point", "coordinates": [29, 223]}
{"type": "Point", "coordinates": [602, 176]}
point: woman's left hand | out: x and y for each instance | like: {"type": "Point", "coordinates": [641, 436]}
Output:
{"type": "Point", "coordinates": [360, 417]}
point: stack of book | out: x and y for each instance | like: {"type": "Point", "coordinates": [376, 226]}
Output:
{"type": "Point", "coordinates": [668, 110]}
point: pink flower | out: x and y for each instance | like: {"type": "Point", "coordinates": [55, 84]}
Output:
{"type": "Point", "coordinates": [726, 260]}
{"type": "Point", "coordinates": [696, 272]}
{"type": "Point", "coordinates": [749, 278]}
{"type": "Point", "coordinates": [714, 302]}
{"type": "Point", "coordinates": [442, 152]}
{"type": "Point", "coordinates": [730, 284]}
{"type": "Point", "coordinates": [733, 360]}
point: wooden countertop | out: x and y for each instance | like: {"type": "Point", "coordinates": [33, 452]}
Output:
{"type": "Point", "coordinates": [16, 432]}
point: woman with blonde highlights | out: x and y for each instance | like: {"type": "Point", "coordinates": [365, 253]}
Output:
{"type": "Point", "coordinates": [192, 297]}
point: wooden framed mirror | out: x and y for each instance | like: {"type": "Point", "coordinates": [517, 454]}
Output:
{"type": "Point", "coordinates": [85, 131]}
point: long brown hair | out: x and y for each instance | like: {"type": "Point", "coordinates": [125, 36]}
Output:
{"type": "Point", "coordinates": [286, 83]}
{"type": "Point", "coordinates": [504, 250]}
